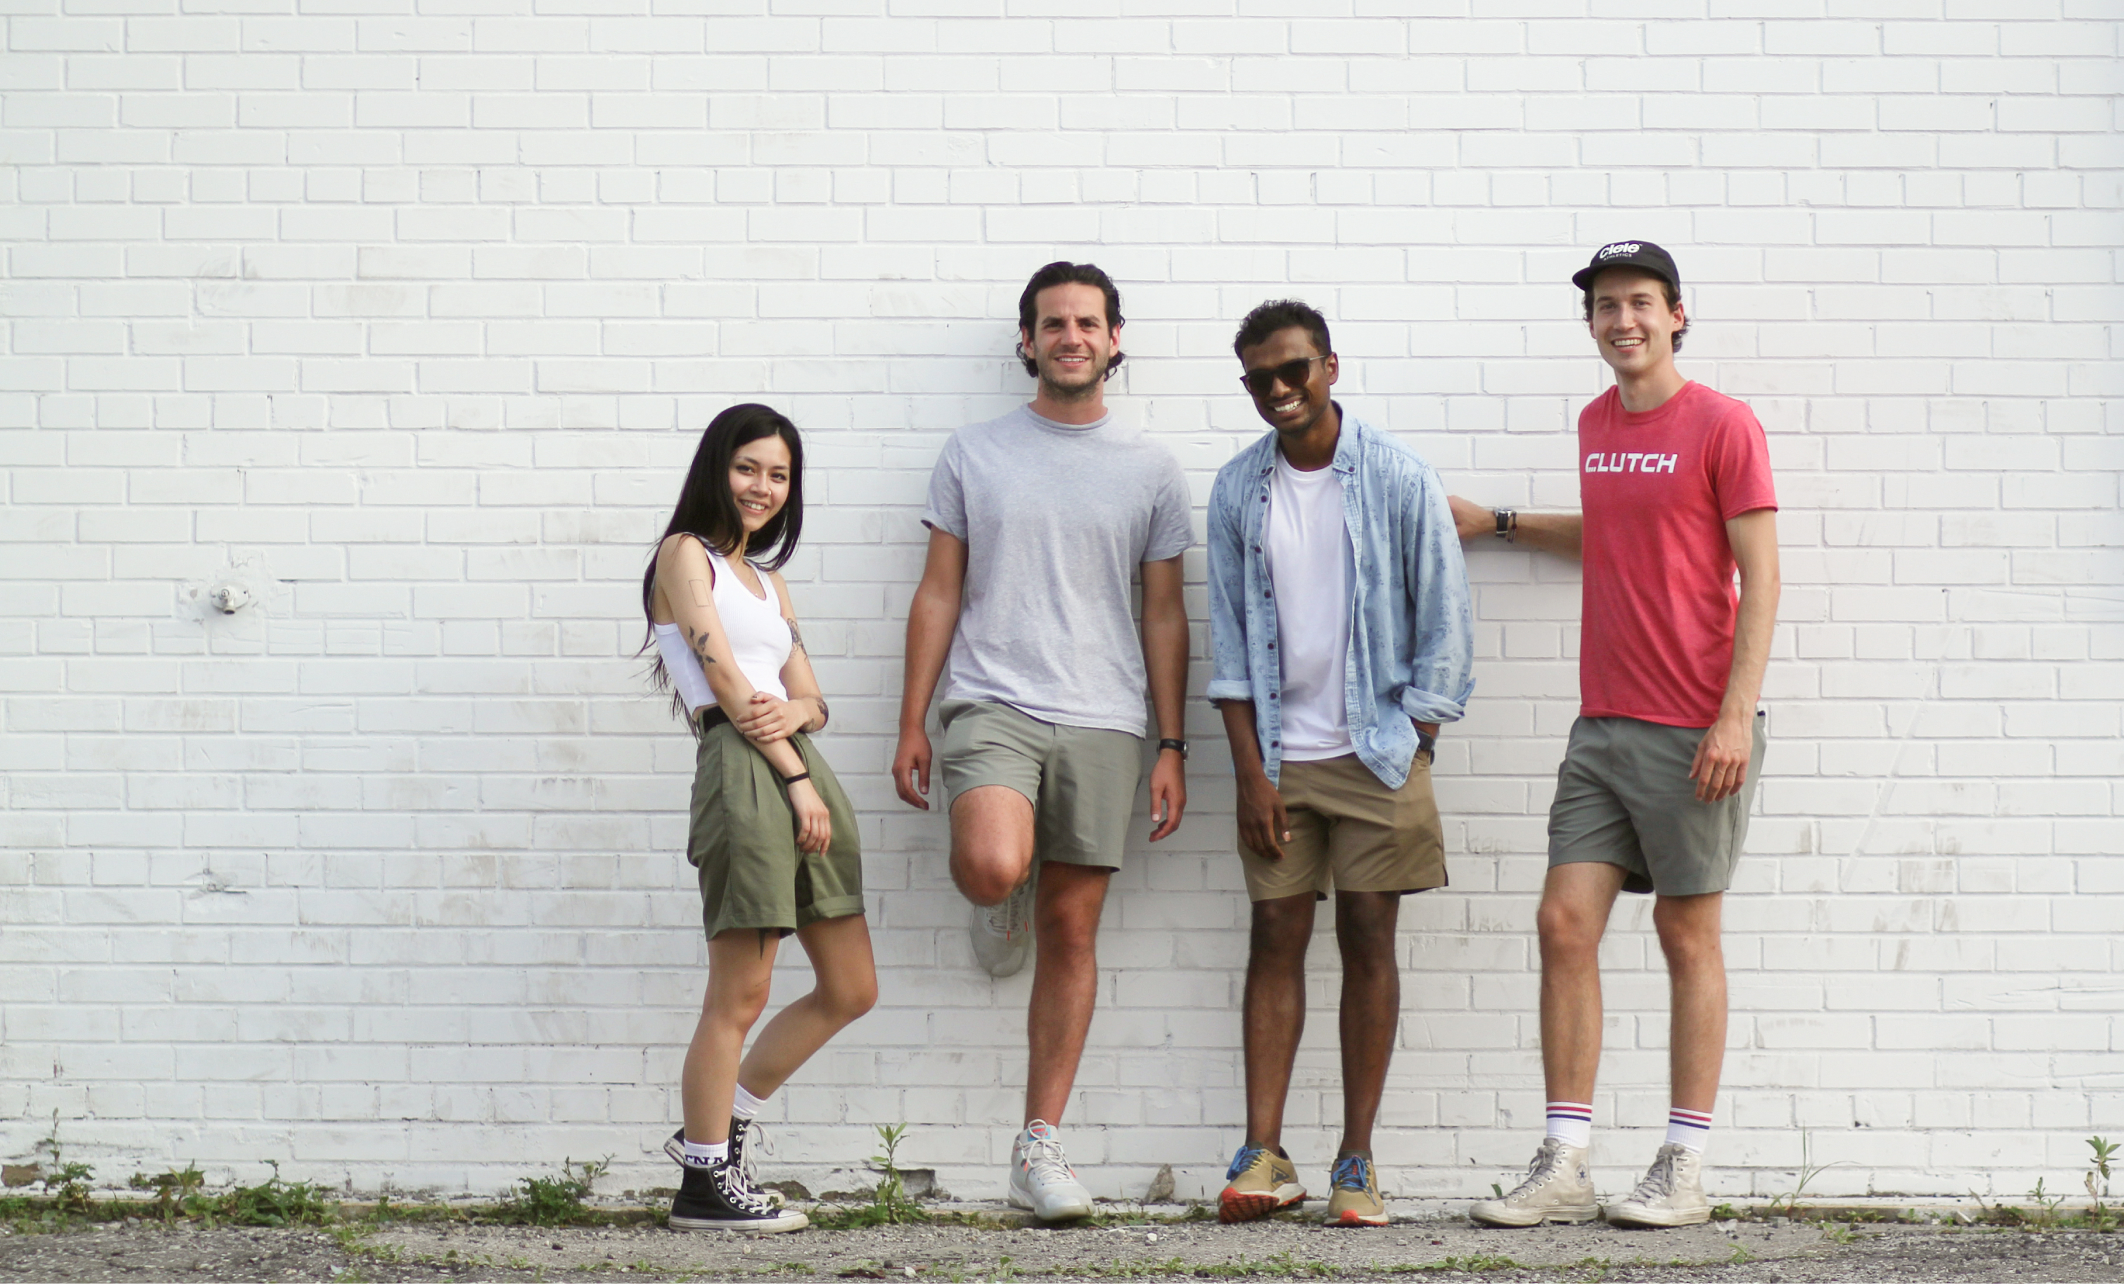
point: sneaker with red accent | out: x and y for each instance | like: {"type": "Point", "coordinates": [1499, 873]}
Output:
{"type": "Point", "coordinates": [1261, 1181]}
{"type": "Point", "coordinates": [1354, 1197]}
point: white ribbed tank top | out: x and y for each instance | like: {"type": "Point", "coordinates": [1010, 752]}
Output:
{"type": "Point", "coordinates": [758, 635]}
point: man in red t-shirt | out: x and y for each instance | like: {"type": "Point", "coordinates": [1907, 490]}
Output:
{"type": "Point", "coordinates": [1655, 786]}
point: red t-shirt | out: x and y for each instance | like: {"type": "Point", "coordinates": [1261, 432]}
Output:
{"type": "Point", "coordinates": [1657, 489]}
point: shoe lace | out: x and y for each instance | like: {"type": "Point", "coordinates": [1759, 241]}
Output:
{"type": "Point", "coordinates": [1244, 1160]}
{"type": "Point", "coordinates": [1003, 920]}
{"type": "Point", "coordinates": [1352, 1172]}
{"type": "Point", "coordinates": [739, 1193]}
{"type": "Point", "coordinates": [752, 1143]}
{"type": "Point", "coordinates": [1545, 1165]}
{"type": "Point", "coordinates": [1044, 1160]}
{"type": "Point", "coordinates": [1658, 1181]}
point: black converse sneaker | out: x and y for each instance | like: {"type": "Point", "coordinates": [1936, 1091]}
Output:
{"type": "Point", "coordinates": [742, 1132]}
{"type": "Point", "coordinates": [720, 1199]}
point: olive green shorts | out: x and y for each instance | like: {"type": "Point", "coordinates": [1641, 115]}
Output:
{"type": "Point", "coordinates": [1624, 798]}
{"type": "Point", "coordinates": [1081, 781]}
{"type": "Point", "coordinates": [743, 841]}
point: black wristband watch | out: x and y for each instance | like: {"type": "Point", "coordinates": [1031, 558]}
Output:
{"type": "Point", "coordinates": [1507, 523]}
{"type": "Point", "coordinates": [1179, 746]}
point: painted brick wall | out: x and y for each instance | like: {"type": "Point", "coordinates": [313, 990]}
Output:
{"type": "Point", "coordinates": [405, 316]}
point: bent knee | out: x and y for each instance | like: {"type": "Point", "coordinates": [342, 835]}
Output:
{"type": "Point", "coordinates": [986, 882]}
{"type": "Point", "coordinates": [848, 1002]}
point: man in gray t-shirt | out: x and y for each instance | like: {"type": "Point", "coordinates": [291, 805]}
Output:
{"type": "Point", "coordinates": [1039, 521]}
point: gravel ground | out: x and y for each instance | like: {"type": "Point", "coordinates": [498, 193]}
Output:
{"type": "Point", "coordinates": [1719, 1252]}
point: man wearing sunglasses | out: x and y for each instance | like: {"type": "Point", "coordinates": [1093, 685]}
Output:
{"type": "Point", "coordinates": [1341, 638]}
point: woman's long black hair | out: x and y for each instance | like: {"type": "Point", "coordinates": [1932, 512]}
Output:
{"type": "Point", "coordinates": [709, 512]}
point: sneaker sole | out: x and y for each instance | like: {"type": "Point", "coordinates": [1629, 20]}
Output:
{"type": "Point", "coordinates": [765, 1226]}
{"type": "Point", "coordinates": [1253, 1205]}
{"type": "Point", "coordinates": [1567, 1216]}
{"type": "Point", "coordinates": [1067, 1213]}
{"type": "Point", "coordinates": [1658, 1219]}
{"type": "Point", "coordinates": [1351, 1217]}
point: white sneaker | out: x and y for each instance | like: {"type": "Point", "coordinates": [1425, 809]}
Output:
{"type": "Point", "coordinates": [1672, 1193]}
{"type": "Point", "coordinates": [1041, 1178]}
{"type": "Point", "coordinates": [1558, 1188]}
{"type": "Point", "coordinates": [1003, 932]}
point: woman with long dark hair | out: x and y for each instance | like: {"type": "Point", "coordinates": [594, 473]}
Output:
{"type": "Point", "coordinates": [772, 835]}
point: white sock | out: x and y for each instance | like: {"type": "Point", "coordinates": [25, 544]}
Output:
{"type": "Point", "coordinates": [746, 1106]}
{"type": "Point", "coordinates": [1690, 1128]}
{"type": "Point", "coordinates": [707, 1154]}
{"type": "Point", "coordinates": [1571, 1123]}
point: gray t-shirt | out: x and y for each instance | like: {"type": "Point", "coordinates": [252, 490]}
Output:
{"type": "Point", "coordinates": [1056, 519]}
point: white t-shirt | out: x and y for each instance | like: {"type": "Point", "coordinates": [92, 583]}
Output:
{"type": "Point", "coordinates": [1308, 552]}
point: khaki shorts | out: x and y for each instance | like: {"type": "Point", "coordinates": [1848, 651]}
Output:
{"type": "Point", "coordinates": [1352, 833]}
{"type": "Point", "coordinates": [1624, 797]}
{"type": "Point", "coordinates": [743, 841]}
{"type": "Point", "coordinates": [1081, 781]}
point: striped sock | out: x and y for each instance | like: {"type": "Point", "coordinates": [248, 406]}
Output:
{"type": "Point", "coordinates": [1688, 1128]}
{"type": "Point", "coordinates": [1571, 1123]}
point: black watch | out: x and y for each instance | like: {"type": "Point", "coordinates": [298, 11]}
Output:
{"type": "Point", "coordinates": [1179, 745]}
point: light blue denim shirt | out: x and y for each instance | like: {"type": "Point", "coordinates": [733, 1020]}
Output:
{"type": "Point", "coordinates": [1411, 627]}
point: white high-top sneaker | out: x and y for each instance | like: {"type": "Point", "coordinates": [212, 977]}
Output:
{"type": "Point", "coordinates": [1041, 1178]}
{"type": "Point", "coordinates": [1003, 932]}
{"type": "Point", "coordinates": [1558, 1188]}
{"type": "Point", "coordinates": [1672, 1193]}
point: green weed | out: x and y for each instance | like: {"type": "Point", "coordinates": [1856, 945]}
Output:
{"type": "Point", "coordinates": [1788, 1205]}
{"type": "Point", "coordinates": [889, 1205]}
{"type": "Point", "coordinates": [2100, 1217]}
{"type": "Point", "coordinates": [172, 1189]}
{"type": "Point", "coordinates": [553, 1201]}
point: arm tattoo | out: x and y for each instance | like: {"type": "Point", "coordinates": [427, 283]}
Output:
{"type": "Point", "coordinates": [701, 594]}
{"type": "Point", "coordinates": [824, 716]}
{"type": "Point", "coordinates": [796, 635]}
{"type": "Point", "coordinates": [699, 643]}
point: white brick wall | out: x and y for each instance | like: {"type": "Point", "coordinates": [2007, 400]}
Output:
{"type": "Point", "coordinates": [407, 316]}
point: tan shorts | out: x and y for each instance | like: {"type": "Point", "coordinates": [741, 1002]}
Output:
{"type": "Point", "coordinates": [1352, 833]}
{"type": "Point", "coordinates": [1081, 781]}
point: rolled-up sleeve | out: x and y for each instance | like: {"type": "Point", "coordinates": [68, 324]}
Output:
{"type": "Point", "coordinates": [1441, 678]}
{"type": "Point", "coordinates": [1229, 678]}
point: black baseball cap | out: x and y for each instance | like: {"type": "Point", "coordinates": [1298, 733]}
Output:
{"type": "Point", "coordinates": [1637, 254]}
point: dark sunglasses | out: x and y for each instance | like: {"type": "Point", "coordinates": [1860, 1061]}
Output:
{"type": "Point", "coordinates": [1291, 374]}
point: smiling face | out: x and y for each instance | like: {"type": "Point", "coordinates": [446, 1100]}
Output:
{"type": "Point", "coordinates": [1287, 400]}
{"type": "Point", "coordinates": [759, 481]}
{"type": "Point", "coordinates": [1632, 322]}
{"type": "Point", "coordinates": [1070, 341]}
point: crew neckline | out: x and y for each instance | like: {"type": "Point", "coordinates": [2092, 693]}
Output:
{"type": "Point", "coordinates": [1634, 417]}
{"type": "Point", "coordinates": [1042, 421]}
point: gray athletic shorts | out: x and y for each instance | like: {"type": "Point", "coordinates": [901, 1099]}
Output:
{"type": "Point", "coordinates": [1624, 797]}
{"type": "Point", "coordinates": [1081, 781]}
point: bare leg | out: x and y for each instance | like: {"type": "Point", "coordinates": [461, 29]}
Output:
{"type": "Point", "coordinates": [991, 842]}
{"type": "Point", "coordinates": [1275, 1010]}
{"type": "Point", "coordinates": [1065, 983]}
{"type": "Point", "coordinates": [1696, 971]}
{"type": "Point", "coordinates": [740, 965]}
{"type": "Point", "coordinates": [1371, 1007]}
{"type": "Point", "coordinates": [845, 987]}
{"type": "Point", "coordinates": [1575, 900]}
